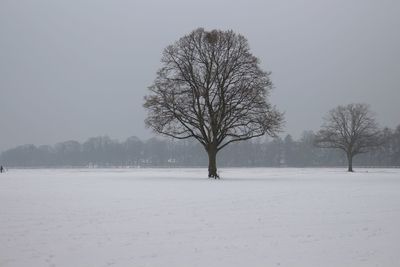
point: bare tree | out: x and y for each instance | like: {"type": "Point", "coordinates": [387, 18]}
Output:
{"type": "Point", "coordinates": [351, 128]}
{"type": "Point", "coordinates": [211, 88]}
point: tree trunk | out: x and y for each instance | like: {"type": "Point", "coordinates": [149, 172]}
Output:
{"type": "Point", "coordinates": [350, 161]}
{"type": "Point", "coordinates": [212, 163]}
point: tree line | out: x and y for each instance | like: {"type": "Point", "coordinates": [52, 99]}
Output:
{"type": "Point", "coordinates": [210, 89]}
{"type": "Point", "coordinates": [156, 152]}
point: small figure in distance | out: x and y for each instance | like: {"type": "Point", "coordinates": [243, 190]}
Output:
{"type": "Point", "coordinates": [1, 169]}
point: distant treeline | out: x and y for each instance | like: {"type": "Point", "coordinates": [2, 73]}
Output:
{"type": "Point", "coordinates": [105, 152]}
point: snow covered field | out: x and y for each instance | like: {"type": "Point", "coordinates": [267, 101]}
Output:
{"type": "Point", "coordinates": [176, 217]}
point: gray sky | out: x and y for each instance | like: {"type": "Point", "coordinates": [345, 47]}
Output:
{"type": "Point", "coordinates": [78, 68]}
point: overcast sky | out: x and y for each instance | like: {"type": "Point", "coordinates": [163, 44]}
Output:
{"type": "Point", "coordinates": [79, 68]}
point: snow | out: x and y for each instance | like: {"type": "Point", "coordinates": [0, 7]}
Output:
{"type": "Point", "coordinates": [177, 217]}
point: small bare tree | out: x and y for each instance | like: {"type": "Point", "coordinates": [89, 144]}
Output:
{"type": "Point", "coordinates": [351, 128]}
{"type": "Point", "coordinates": [211, 88]}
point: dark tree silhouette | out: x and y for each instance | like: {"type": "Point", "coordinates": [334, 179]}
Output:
{"type": "Point", "coordinates": [351, 128]}
{"type": "Point", "coordinates": [211, 88]}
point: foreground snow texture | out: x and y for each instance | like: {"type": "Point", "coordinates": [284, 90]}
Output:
{"type": "Point", "coordinates": [176, 217]}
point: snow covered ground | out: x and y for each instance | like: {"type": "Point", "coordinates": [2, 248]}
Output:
{"type": "Point", "coordinates": [177, 217]}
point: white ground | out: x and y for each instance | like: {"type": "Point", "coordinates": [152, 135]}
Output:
{"type": "Point", "coordinates": [176, 217]}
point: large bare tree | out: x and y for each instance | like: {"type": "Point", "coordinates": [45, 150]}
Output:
{"type": "Point", "coordinates": [351, 128]}
{"type": "Point", "coordinates": [211, 88]}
